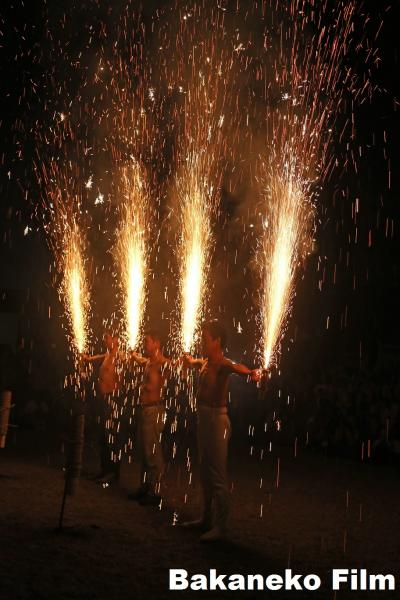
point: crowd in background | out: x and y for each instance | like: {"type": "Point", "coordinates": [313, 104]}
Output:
{"type": "Point", "coordinates": [357, 411]}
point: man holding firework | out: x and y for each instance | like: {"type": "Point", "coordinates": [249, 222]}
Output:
{"type": "Point", "coordinates": [151, 418]}
{"type": "Point", "coordinates": [214, 428]}
{"type": "Point", "coordinates": [108, 388]}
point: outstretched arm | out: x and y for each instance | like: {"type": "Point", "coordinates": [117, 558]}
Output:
{"type": "Point", "coordinates": [240, 369]}
{"type": "Point", "coordinates": [189, 361]}
{"type": "Point", "coordinates": [138, 358]}
{"type": "Point", "coordinates": [173, 363]}
{"type": "Point", "coordinates": [94, 358]}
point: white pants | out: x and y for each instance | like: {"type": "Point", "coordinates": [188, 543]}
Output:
{"type": "Point", "coordinates": [151, 425]}
{"type": "Point", "coordinates": [213, 434]}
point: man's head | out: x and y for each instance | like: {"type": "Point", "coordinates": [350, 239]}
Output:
{"type": "Point", "coordinates": [213, 338]}
{"type": "Point", "coordinates": [152, 342]}
{"type": "Point", "coordinates": [111, 341]}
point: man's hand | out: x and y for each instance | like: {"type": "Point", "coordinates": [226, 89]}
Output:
{"type": "Point", "coordinates": [265, 374]}
{"type": "Point", "coordinates": [187, 360]}
{"type": "Point", "coordinates": [138, 358]}
{"type": "Point", "coordinates": [84, 357]}
{"type": "Point", "coordinates": [256, 375]}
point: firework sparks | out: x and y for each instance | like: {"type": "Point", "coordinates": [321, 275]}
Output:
{"type": "Point", "coordinates": [301, 114]}
{"type": "Point", "coordinates": [195, 251]}
{"type": "Point", "coordinates": [75, 289]}
{"type": "Point", "coordinates": [286, 232]}
{"type": "Point", "coordinates": [202, 84]}
{"type": "Point", "coordinates": [65, 224]}
{"type": "Point", "coordinates": [131, 251]}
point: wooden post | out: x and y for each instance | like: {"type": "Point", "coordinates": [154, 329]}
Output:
{"type": "Point", "coordinates": [74, 459]}
{"type": "Point", "coordinates": [5, 408]}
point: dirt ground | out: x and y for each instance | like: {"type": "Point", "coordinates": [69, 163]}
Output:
{"type": "Point", "coordinates": [325, 513]}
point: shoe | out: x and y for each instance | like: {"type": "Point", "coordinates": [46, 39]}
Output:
{"type": "Point", "coordinates": [198, 524]}
{"type": "Point", "coordinates": [214, 535]}
{"type": "Point", "coordinates": [150, 500]}
{"type": "Point", "coordinates": [138, 494]}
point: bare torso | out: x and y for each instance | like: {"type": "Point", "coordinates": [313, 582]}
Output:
{"type": "Point", "coordinates": [154, 377]}
{"type": "Point", "coordinates": [213, 383]}
{"type": "Point", "coordinates": [108, 377]}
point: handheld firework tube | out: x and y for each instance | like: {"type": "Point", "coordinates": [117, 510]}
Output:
{"type": "Point", "coordinates": [262, 383]}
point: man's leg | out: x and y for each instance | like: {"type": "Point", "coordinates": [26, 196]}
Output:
{"type": "Point", "coordinates": [218, 469]}
{"type": "Point", "coordinates": [205, 523]}
{"type": "Point", "coordinates": [103, 435]}
{"type": "Point", "coordinates": [143, 488]}
{"type": "Point", "coordinates": [116, 437]}
{"type": "Point", "coordinates": [153, 426]}
{"type": "Point", "coordinates": [203, 443]}
{"type": "Point", "coordinates": [107, 442]}
{"type": "Point", "coordinates": [219, 435]}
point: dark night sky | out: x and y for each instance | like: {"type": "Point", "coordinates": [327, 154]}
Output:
{"type": "Point", "coordinates": [372, 307]}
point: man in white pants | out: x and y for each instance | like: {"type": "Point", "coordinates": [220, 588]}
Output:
{"type": "Point", "coordinates": [214, 428]}
{"type": "Point", "coordinates": [151, 418]}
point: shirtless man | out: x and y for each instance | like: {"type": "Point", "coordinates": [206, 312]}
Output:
{"type": "Point", "coordinates": [214, 428]}
{"type": "Point", "coordinates": [108, 386]}
{"type": "Point", "coordinates": [151, 419]}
